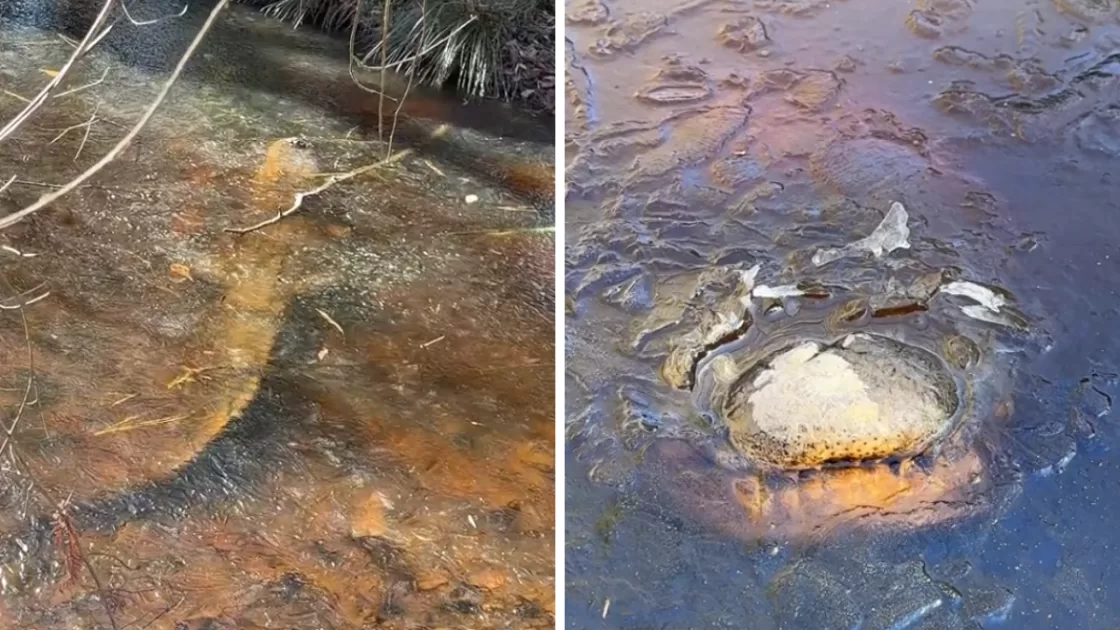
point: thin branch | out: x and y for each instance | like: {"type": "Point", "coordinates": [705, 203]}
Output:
{"type": "Point", "coordinates": [353, 57]}
{"type": "Point", "coordinates": [408, 86]}
{"type": "Point", "coordinates": [67, 130]}
{"type": "Point", "coordinates": [95, 42]}
{"type": "Point", "coordinates": [131, 424]}
{"type": "Point", "coordinates": [69, 41]}
{"type": "Point", "coordinates": [331, 181]}
{"type": "Point", "coordinates": [85, 137]}
{"type": "Point", "coordinates": [17, 96]}
{"type": "Point", "coordinates": [16, 252]}
{"type": "Point", "coordinates": [330, 320]}
{"type": "Point", "coordinates": [47, 199]}
{"type": "Point", "coordinates": [35, 184]}
{"type": "Point", "coordinates": [386, 12]}
{"type": "Point", "coordinates": [67, 537]}
{"type": "Point", "coordinates": [84, 87]}
{"type": "Point", "coordinates": [88, 42]}
{"type": "Point", "coordinates": [20, 305]}
{"type": "Point", "coordinates": [10, 429]}
{"type": "Point", "coordinates": [537, 230]}
{"type": "Point", "coordinates": [164, 612]}
{"type": "Point", "coordinates": [171, 16]}
{"type": "Point", "coordinates": [66, 533]}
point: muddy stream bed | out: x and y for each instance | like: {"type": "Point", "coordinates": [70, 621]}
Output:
{"type": "Point", "coordinates": [905, 211]}
{"type": "Point", "coordinates": [309, 425]}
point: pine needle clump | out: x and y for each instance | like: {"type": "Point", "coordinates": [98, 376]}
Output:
{"type": "Point", "coordinates": [484, 48]}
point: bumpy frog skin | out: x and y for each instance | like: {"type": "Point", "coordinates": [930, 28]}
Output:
{"type": "Point", "coordinates": [840, 407]}
{"type": "Point", "coordinates": [823, 240]}
{"type": "Point", "coordinates": [862, 398]}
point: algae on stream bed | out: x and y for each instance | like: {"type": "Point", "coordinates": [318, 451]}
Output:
{"type": "Point", "coordinates": [310, 424]}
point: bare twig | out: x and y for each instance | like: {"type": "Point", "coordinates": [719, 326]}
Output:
{"type": "Point", "coordinates": [123, 400]}
{"type": "Point", "coordinates": [530, 363]}
{"type": "Point", "coordinates": [68, 130]}
{"type": "Point", "coordinates": [17, 96]}
{"type": "Point", "coordinates": [85, 137]}
{"type": "Point", "coordinates": [131, 423]}
{"type": "Point", "coordinates": [537, 230]}
{"type": "Point", "coordinates": [66, 538]}
{"type": "Point", "coordinates": [408, 86]}
{"type": "Point", "coordinates": [95, 42]}
{"type": "Point", "coordinates": [11, 250]}
{"type": "Point", "coordinates": [128, 16]}
{"type": "Point", "coordinates": [68, 40]}
{"type": "Point", "coordinates": [165, 611]}
{"type": "Point", "coordinates": [353, 57]}
{"type": "Point", "coordinates": [10, 429]}
{"type": "Point", "coordinates": [66, 535]}
{"type": "Point", "coordinates": [83, 87]}
{"type": "Point", "coordinates": [35, 184]}
{"type": "Point", "coordinates": [93, 36]}
{"type": "Point", "coordinates": [190, 375]}
{"type": "Point", "coordinates": [8, 183]}
{"type": "Point", "coordinates": [47, 199]}
{"type": "Point", "coordinates": [330, 320]}
{"type": "Point", "coordinates": [386, 12]}
{"type": "Point", "coordinates": [23, 303]}
{"type": "Point", "coordinates": [331, 181]}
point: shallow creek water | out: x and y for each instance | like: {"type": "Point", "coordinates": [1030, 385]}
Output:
{"type": "Point", "coordinates": [310, 425]}
{"type": "Point", "coordinates": [733, 170]}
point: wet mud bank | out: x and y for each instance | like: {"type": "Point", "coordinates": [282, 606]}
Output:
{"type": "Point", "coordinates": [308, 424]}
{"type": "Point", "coordinates": [837, 308]}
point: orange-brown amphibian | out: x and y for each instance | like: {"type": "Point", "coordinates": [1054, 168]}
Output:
{"type": "Point", "coordinates": [820, 435]}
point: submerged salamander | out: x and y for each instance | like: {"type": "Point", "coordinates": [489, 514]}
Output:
{"type": "Point", "coordinates": [266, 328]}
{"type": "Point", "coordinates": [266, 325]}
